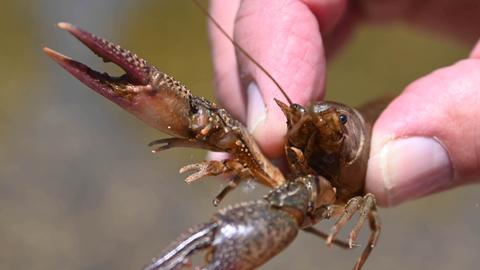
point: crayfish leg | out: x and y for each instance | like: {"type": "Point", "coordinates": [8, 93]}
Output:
{"type": "Point", "coordinates": [297, 162]}
{"type": "Point", "coordinates": [231, 185]}
{"type": "Point", "coordinates": [217, 167]}
{"type": "Point", "coordinates": [214, 168]}
{"type": "Point", "coordinates": [167, 143]}
{"type": "Point", "coordinates": [366, 206]}
{"type": "Point", "coordinates": [351, 208]}
{"type": "Point", "coordinates": [375, 228]}
{"type": "Point", "coordinates": [319, 233]}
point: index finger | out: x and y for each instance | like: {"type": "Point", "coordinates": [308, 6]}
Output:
{"type": "Point", "coordinates": [285, 38]}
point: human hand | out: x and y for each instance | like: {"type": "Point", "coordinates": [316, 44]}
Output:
{"type": "Point", "coordinates": [428, 138]}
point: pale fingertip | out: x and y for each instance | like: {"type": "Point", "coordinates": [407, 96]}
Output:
{"type": "Point", "coordinates": [265, 122]}
{"type": "Point", "coordinates": [270, 133]}
{"type": "Point", "coordinates": [408, 168]}
{"type": "Point", "coordinates": [228, 90]}
{"type": "Point", "coordinates": [217, 155]}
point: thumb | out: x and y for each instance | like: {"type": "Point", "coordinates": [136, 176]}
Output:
{"type": "Point", "coordinates": [284, 37]}
{"type": "Point", "coordinates": [428, 139]}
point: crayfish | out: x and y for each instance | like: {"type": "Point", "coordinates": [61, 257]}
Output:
{"type": "Point", "coordinates": [326, 148]}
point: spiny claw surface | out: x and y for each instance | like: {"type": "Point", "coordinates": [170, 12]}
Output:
{"type": "Point", "coordinates": [143, 90]}
{"type": "Point", "coordinates": [137, 69]}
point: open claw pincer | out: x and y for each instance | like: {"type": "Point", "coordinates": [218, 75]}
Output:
{"type": "Point", "coordinates": [167, 105]}
{"type": "Point", "coordinates": [143, 90]}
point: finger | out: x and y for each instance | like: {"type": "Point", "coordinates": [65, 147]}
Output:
{"type": "Point", "coordinates": [476, 51]}
{"type": "Point", "coordinates": [455, 18]}
{"type": "Point", "coordinates": [428, 139]}
{"type": "Point", "coordinates": [227, 80]}
{"type": "Point", "coordinates": [284, 37]}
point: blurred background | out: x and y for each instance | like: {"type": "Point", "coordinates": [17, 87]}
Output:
{"type": "Point", "coordinates": [79, 189]}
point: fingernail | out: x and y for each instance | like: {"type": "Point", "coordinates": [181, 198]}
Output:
{"type": "Point", "coordinates": [256, 111]}
{"type": "Point", "coordinates": [414, 167]}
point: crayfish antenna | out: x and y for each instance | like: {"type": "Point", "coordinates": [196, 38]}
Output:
{"type": "Point", "coordinates": [243, 51]}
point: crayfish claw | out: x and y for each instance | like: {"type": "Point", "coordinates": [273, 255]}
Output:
{"type": "Point", "coordinates": [216, 167]}
{"type": "Point", "coordinates": [202, 169]}
{"type": "Point", "coordinates": [137, 69]}
{"type": "Point", "coordinates": [138, 73]}
{"type": "Point", "coordinates": [100, 82]}
{"type": "Point", "coordinates": [153, 96]}
{"type": "Point", "coordinates": [168, 143]}
{"type": "Point", "coordinates": [178, 254]}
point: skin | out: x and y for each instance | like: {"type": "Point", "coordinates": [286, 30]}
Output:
{"type": "Point", "coordinates": [292, 39]}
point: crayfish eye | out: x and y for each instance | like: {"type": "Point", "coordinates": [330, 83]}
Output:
{"type": "Point", "coordinates": [343, 118]}
{"type": "Point", "coordinates": [298, 108]}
